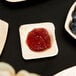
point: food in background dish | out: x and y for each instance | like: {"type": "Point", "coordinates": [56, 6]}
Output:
{"type": "Point", "coordinates": [46, 36]}
{"type": "Point", "coordinates": [73, 27]}
{"type": "Point", "coordinates": [26, 73]}
{"type": "Point", "coordinates": [74, 14]}
{"type": "Point", "coordinates": [15, 0]}
{"type": "Point", "coordinates": [70, 24]}
{"type": "Point", "coordinates": [67, 72]}
{"type": "Point", "coordinates": [6, 69]}
{"type": "Point", "coordinates": [73, 22]}
{"type": "Point", "coordinates": [3, 34]}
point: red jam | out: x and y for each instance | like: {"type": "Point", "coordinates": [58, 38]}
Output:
{"type": "Point", "coordinates": [38, 40]}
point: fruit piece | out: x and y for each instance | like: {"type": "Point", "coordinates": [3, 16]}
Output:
{"type": "Point", "coordinates": [73, 27]}
{"type": "Point", "coordinates": [74, 15]}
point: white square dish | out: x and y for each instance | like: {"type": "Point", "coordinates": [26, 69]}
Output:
{"type": "Point", "coordinates": [27, 53]}
{"type": "Point", "coordinates": [3, 34]}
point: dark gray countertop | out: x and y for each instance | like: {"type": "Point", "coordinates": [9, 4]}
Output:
{"type": "Point", "coordinates": [35, 12]}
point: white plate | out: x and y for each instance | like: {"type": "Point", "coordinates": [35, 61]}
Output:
{"type": "Point", "coordinates": [15, 0]}
{"type": "Point", "coordinates": [67, 72]}
{"type": "Point", "coordinates": [6, 69]}
{"type": "Point", "coordinates": [26, 52]}
{"type": "Point", "coordinates": [26, 73]}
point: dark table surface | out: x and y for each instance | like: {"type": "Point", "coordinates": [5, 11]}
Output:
{"type": "Point", "coordinates": [36, 11]}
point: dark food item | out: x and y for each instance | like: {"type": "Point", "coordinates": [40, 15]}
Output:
{"type": "Point", "coordinates": [73, 27]}
{"type": "Point", "coordinates": [38, 39]}
{"type": "Point", "coordinates": [74, 15]}
{"type": "Point", "coordinates": [73, 23]}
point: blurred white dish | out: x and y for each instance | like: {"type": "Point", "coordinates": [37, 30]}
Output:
{"type": "Point", "coordinates": [26, 73]}
{"type": "Point", "coordinates": [69, 19]}
{"type": "Point", "coordinates": [67, 72]}
{"type": "Point", "coordinates": [15, 0]}
{"type": "Point", "coordinates": [6, 69]}
{"type": "Point", "coordinates": [3, 34]}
